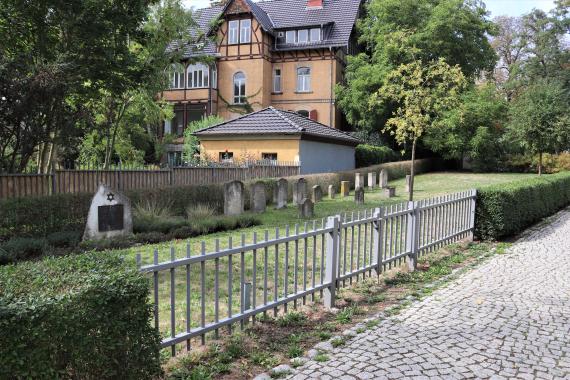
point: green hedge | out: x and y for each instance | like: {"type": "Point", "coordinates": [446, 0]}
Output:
{"type": "Point", "coordinates": [367, 155]}
{"type": "Point", "coordinates": [41, 216]}
{"type": "Point", "coordinates": [507, 209]}
{"type": "Point", "coordinates": [81, 317]}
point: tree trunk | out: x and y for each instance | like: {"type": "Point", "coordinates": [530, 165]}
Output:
{"type": "Point", "coordinates": [412, 171]}
{"type": "Point", "coordinates": [540, 163]}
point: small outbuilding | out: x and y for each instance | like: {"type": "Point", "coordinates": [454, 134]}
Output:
{"type": "Point", "coordinates": [281, 136]}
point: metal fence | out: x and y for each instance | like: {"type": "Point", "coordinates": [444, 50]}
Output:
{"type": "Point", "coordinates": [197, 294]}
{"type": "Point", "coordinates": [88, 179]}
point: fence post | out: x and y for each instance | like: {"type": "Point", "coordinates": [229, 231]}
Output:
{"type": "Point", "coordinates": [52, 177]}
{"type": "Point", "coordinates": [171, 176]}
{"type": "Point", "coordinates": [472, 203]}
{"type": "Point", "coordinates": [331, 246]}
{"type": "Point", "coordinates": [378, 237]}
{"type": "Point", "coordinates": [411, 241]}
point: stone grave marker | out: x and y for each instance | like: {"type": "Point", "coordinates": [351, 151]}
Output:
{"type": "Point", "coordinates": [258, 198]}
{"type": "Point", "coordinates": [306, 208]}
{"type": "Point", "coordinates": [371, 180]}
{"type": "Point", "coordinates": [359, 196]}
{"type": "Point", "coordinates": [408, 183]}
{"type": "Point", "coordinates": [383, 178]}
{"type": "Point", "coordinates": [316, 194]}
{"type": "Point", "coordinates": [332, 192]}
{"type": "Point", "coordinates": [345, 188]}
{"type": "Point", "coordinates": [389, 191]}
{"type": "Point", "coordinates": [300, 191]}
{"type": "Point", "coordinates": [109, 215]}
{"type": "Point", "coordinates": [233, 198]}
{"type": "Point", "coordinates": [280, 194]}
{"type": "Point", "coordinates": [358, 180]}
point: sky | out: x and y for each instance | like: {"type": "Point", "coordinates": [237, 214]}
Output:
{"type": "Point", "coordinates": [497, 7]}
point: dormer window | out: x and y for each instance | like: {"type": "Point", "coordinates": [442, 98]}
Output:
{"type": "Point", "coordinates": [315, 34]}
{"type": "Point", "coordinates": [290, 37]}
{"type": "Point", "coordinates": [303, 36]}
{"type": "Point", "coordinates": [233, 27]}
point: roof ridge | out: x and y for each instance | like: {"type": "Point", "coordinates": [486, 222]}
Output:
{"type": "Point", "coordinates": [319, 123]}
{"type": "Point", "coordinates": [227, 121]}
{"type": "Point", "coordinates": [280, 114]}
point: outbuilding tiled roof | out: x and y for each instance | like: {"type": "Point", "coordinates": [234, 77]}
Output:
{"type": "Point", "coordinates": [339, 17]}
{"type": "Point", "coordinates": [271, 121]}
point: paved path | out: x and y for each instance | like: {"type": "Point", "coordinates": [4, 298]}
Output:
{"type": "Point", "coordinates": [508, 318]}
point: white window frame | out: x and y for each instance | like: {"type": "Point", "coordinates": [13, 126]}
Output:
{"type": "Point", "coordinates": [303, 33]}
{"type": "Point", "coordinates": [197, 76]}
{"type": "Point", "coordinates": [245, 31]}
{"type": "Point", "coordinates": [303, 79]}
{"type": "Point", "coordinates": [277, 80]}
{"type": "Point", "coordinates": [239, 97]}
{"type": "Point", "coordinates": [233, 32]}
{"type": "Point", "coordinates": [176, 76]}
{"type": "Point", "coordinates": [214, 76]}
{"type": "Point", "coordinates": [311, 34]}
{"type": "Point", "coordinates": [290, 33]}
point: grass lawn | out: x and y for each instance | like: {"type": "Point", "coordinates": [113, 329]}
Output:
{"type": "Point", "coordinates": [310, 256]}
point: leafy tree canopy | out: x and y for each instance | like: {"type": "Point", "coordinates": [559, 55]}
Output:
{"type": "Point", "coordinates": [191, 143]}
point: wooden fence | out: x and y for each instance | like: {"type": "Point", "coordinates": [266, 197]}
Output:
{"type": "Point", "coordinates": [87, 180]}
{"type": "Point", "coordinates": [217, 287]}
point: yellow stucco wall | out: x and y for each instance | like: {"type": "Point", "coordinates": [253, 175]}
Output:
{"type": "Point", "coordinates": [286, 149]}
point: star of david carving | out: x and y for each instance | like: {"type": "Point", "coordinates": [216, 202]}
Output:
{"type": "Point", "coordinates": [110, 197]}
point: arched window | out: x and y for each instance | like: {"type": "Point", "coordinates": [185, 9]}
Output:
{"type": "Point", "coordinates": [239, 88]}
{"type": "Point", "coordinates": [303, 79]}
{"type": "Point", "coordinates": [303, 113]}
{"type": "Point", "coordinates": [176, 76]}
{"type": "Point", "coordinates": [198, 75]}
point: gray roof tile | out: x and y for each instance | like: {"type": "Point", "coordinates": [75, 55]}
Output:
{"type": "Point", "coordinates": [340, 15]}
{"type": "Point", "coordinates": [271, 121]}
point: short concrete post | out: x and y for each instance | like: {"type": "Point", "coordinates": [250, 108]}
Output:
{"type": "Point", "coordinates": [359, 195]}
{"type": "Point", "coordinates": [378, 237]}
{"type": "Point", "coordinates": [246, 291]}
{"type": "Point", "coordinates": [383, 178]}
{"type": "Point", "coordinates": [472, 204]}
{"type": "Point", "coordinates": [411, 238]}
{"type": "Point", "coordinates": [358, 180]}
{"type": "Point", "coordinates": [371, 180]}
{"type": "Point", "coordinates": [345, 188]}
{"type": "Point", "coordinates": [331, 245]}
{"type": "Point", "coordinates": [332, 191]}
{"type": "Point", "coordinates": [408, 183]}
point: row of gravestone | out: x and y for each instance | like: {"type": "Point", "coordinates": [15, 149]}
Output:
{"type": "Point", "coordinates": [234, 194]}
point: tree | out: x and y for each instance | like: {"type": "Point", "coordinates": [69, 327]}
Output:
{"type": "Point", "coordinates": [473, 129]}
{"type": "Point", "coordinates": [422, 92]}
{"type": "Point", "coordinates": [191, 143]}
{"type": "Point", "coordinates": [65, 53]}
{"type": "Point", "coordinates": [455, 30]}
{"type": "Point", "coordinates": [539, 119]}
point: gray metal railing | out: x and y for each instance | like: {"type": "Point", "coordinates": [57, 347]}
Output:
{"type": "Point", "coordinates": [222, 286]}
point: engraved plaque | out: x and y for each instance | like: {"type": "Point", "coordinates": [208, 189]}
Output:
{"type": "Point", "coordinates": [110, 218]}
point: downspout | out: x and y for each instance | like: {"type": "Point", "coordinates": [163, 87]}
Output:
{"type": "Point", "coordinates": [331, 94]}
{"type": "Point", "coordinates": [209, 106]}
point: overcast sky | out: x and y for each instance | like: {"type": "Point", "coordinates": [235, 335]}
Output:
{"type": "Point", "coordinates": [497, 7]}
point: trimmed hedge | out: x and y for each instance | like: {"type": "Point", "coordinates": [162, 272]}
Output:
{"type": "Point", "coordinates": [367, 155]}
{"type": "Point", "coordinates": [507, 209]}
{"type": "Point", "coordinates": [41, 216]}
{"type": "Point", "coordinates": [81, 317]}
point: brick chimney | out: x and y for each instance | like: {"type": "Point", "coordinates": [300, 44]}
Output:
{"type": "Point", "coordinates": [314, 4]}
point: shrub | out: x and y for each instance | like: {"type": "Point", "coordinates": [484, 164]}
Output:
{"type": "Point", "coordinates": [367, 155]}
{"type": "Point", "coordinates": [507, 209]}
{"type": "Point", "coordinates": [157, 224]}
{"type": "Point", "coordinates": [64, 239]}
{"type": "Point", "coordinates": [17, 249]}
{"type": "Point", "coordinates": [152, 208]}
{"type": "Point", "coordinates": [85, 316]}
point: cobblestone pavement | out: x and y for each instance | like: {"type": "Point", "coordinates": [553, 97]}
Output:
{"type": "Point", "coordinates": [507, 318]}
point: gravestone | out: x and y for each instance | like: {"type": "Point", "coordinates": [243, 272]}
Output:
{"type": "Point", "coordinates": [109, 215]}
{"type": "Point", "coordinates": [258, 199]}
{"type": "Point", "coordinates": [371, 180]}
{"type": "Point", "coordinates": [359, 196]}
{"type": "Point", "coordinates": [316, 194]}
{"type": "Point", "coordinates": [332, 191]}
{"type": "Point", "coordinates": [300, 191]}
{"type": "Point", "coordinates": [408, 183]}
{"type": "Point", "coordinates": [358, 180]}
{"type": "Point", "coordinates": [389, 191]}
{"type": "Point", "coordinates": [383, 178]}
{"type": "Point", "coordinates": [306, 208]}
{"type": "Point", "coordinates": [233, 198]}
{"type": "Point", "coordinates": [345, 188]}
{"type": "Point", "coordinates": [280, 193]}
